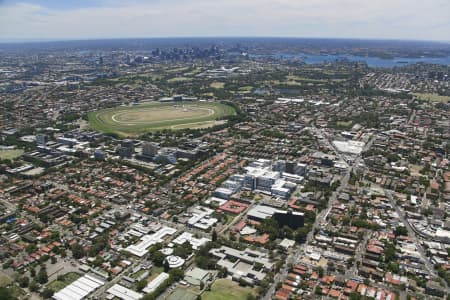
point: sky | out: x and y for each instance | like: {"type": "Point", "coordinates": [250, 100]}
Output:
{"type": "Point", "coordinates": [104, 19]}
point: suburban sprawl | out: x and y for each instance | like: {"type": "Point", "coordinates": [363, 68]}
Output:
{"type": "Point", "coordinates": [236, 169]}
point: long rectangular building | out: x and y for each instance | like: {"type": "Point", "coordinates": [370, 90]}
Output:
{"type": "Point", "coordinates": [124, 293]}
{"type": "Point", "coordinates": [80, 288]}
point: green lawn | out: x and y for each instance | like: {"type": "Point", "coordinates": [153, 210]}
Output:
{"type": "Point", "coordinates": [177, 70]}
{"type": "Point", "coordinates": [432, 97]}
{"type": "Point", "coordinates": [229, 218]}
{"type": "Point", "coordinates": [57, 285]}
{"type": "Point", "coordinates": [304, 79]}
{"type": "Point", "coordinates": [134, 120]}
{"type": "Point", "coordinates": [224, 289]}
{"type": "Point", "coordinates": [344, 123]}
{"type": "Point", "coordinates": [182, 294]}
{"type": "Point", "coordinates": [179, 79]}
{"type": "Point", "coordinates": [247, 88]}
{"type": "Point", "coordinates": [10, 154]}
{"type": "Point", "coordinates": [155, 272]}
{"type": "Point", "coordinates": [290, 83]}
{"type": "Point", "coordinates": [4, 280]}
{"type": "Point", "coordinates": [217, 85]}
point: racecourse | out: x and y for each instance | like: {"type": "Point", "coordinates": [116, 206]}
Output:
{"type": "Point", "coordinates": [138, 119]}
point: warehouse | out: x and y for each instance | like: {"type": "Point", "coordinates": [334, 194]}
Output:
{"type": "Point", "coordinates": [79, 289]}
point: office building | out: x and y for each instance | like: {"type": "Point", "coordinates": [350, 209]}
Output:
{"type": "Point", "coordinates": [41, 139]}
{"type": "Point", "coordinates": [150, 149]}
{"type": "Point", "coordinates": [126, 148]}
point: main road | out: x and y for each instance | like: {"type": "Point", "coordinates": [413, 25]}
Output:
{"type": "Point", "coordinates": [320, 218]}
{"type": "Point", "coordinates": [412, 234]}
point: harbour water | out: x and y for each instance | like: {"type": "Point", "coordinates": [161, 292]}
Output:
{"type": "Point", "coordinates": [375, 62]}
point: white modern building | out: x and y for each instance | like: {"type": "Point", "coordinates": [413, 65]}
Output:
{"type": "Point", "coordinates": [124, 293]}
{"type": "Point", "coordinates": [155, 283]}
{"type": "Point", "coordinates": [148, 240]}
{"type": "Point", "coordinates": [201, 218]}
{"type": "Point", "coordinates": [350, 147]}
{"type": "Point", "coordinates": [189, 237]}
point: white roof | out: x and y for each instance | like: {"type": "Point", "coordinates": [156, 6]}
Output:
{"type": "Point", "coordinates": [123, 293]}
{"type": "Point", "coordinates": [442, 233]}
{"type": "Point", "coordinates": [153, 285]}
{"type": "Point", "coordinates": [79, 289]}
{"type": "Point", "coordinates": [140, 249]}
{"type": "Point", "coordinates": [187, 236]}
{"type": "Point", "coordinates": [315, 256]}
{"type": "Point", "coordinates": [261, 211]}
{"type": "Point", "coordinates": [286, 243]}
{"type": "Point", "coordinates": [220, 201]}
{"type": "Point", "coordinates": [352, 147]}
{"type": "Point", "coordinates": [224, 191]}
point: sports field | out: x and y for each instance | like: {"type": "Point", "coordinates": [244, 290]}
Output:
{"type": "Point", "coordinates": [432, 97]}
{"type": "Point", "coordinates": [10, 154]}
{"type": "Point", "coordinates": [224, 289]}
{"type": "Point", "coordinates": [132, 120]}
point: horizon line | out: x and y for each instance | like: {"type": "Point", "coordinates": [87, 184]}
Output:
{"type": "Point", "coordinates": [37, 41]}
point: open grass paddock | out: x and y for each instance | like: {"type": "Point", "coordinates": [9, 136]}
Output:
{"type": "Point", "coordinates": [224, 289]}
{"type": "Point", "coordinates": [137, 119]}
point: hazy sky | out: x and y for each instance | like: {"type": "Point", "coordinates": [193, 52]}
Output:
{"type": "Point", "coordinates": [81, 19]}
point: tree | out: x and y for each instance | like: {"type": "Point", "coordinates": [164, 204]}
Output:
{"type": "Point", "coordinates": [47, 293]}
{"type": "Point", "coordinates": [23, 281]}
{"type": "Point", "coordinates": [250, 297]}
{"type": "Point", "coordinates": [5, 294]}
{"type": "Point", "coordinates": [320, 271]}
{"type": "Point", "coordinates": [158, 258]}
{"type": "Point", "coordinates": [33, 286]}
{"type": "Point", "coordinates": [214, 235]}
{"type": "Point", "coordinates": [53, 260]}
{"type": "Point", "coordinates": [301, 234]}
{"type": "Point", "coordinates": [31, 248]}
{"type": "Point", "coordinates": [77, 251]}
{"type": "Point", "coordinates": [354, 296]}
{"type": "Point", "coordinates": [318, 290]}
{"type": "Point", "coordinates": [389, 253]}
{"type": "Point", "coordinates": [401, 230]}
{"type": "Point", "coordinates": [393, 267]}
{"type": "Point", "coordinates": [183, 250]}
{"type": "Point", "coordinates": [42, 276]}
{"type": "Point", "coordinates": [222, 272]}
{"type": "Point", "coordinates": [166, 266]}
{"type": "Point", "coordinates": [176, 274]}
{"type": "Point", "coordinates": [141, 285]}
{"type": "Point", "coordinates": [98, 261]}
{"type": "Point", "coordinates": [7, 264]}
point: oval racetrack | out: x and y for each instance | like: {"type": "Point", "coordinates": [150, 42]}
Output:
{"type": "Point", "coordinates": [132, 120]}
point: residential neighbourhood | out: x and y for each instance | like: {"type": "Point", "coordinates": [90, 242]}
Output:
{"type": "Point", "coordinates": [206, 172]}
